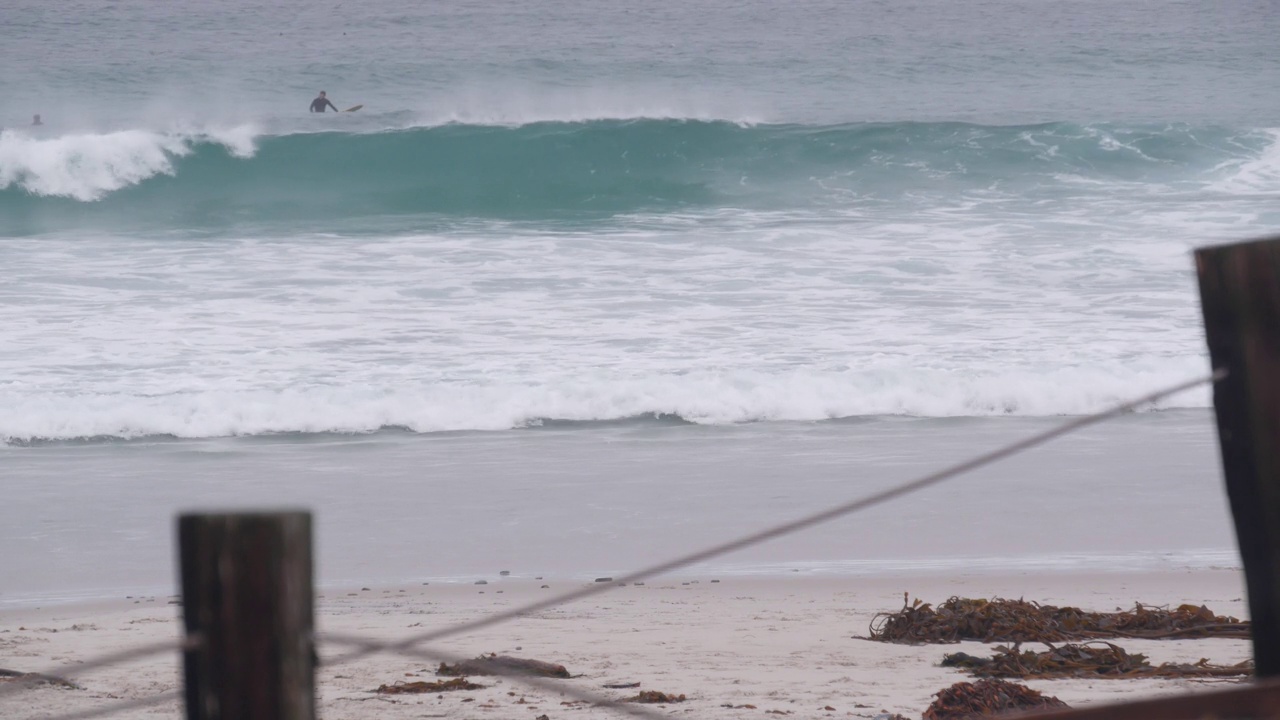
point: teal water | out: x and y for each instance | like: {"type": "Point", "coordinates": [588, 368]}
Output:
{"type": "Point", "coordinates": [590, 170]}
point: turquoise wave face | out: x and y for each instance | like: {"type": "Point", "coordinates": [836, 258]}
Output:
{"type": "Point", "coordinates": [580, 169]}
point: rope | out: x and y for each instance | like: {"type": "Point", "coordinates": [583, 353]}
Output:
{"type": "Point", "coordinates": [118, 707]}
{"type": "Point", "coordinates": [407, 647]}
{"type": "Point", "coordinates": [786, 528]}
{"type": "Point", "coordinates": [115, 658]}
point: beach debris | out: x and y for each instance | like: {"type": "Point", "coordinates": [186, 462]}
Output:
{"type": "Point", "coordinates": [33, 679]}
{"type": "Point", "coordinates": [504, 573]}
{"type": "Point", "coordinates": [503, 665]}
{"type": "Point", "coordinates": [653, 696]}
{"type": "Point", "coordinates": [1001, 620]}
{"type": "Point", "coordinates": [622, 686]}
{"type": "Point", "coordinates": [738, 707]}
{"type": "Point", "coordinates": [482, 582]}
{"type": "Point", "coordinates": [422, 686]}
{"type": "Point", "coordinates": [604, 579]}
{"type": "Point", "coordinates": [986, 697]}
{"type": "Point", "coordinates": [1097, 659]}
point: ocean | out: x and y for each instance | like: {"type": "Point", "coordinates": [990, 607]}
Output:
{"type": "Point", "coordinates": [585, 285]}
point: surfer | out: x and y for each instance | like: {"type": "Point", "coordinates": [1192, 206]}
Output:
{"type": "Point", "coordinates": [35, 120]}
{"type": "Point", "coordinates": [319, 104]}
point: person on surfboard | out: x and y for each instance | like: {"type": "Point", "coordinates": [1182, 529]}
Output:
{"type": "Point", "coordinates": [319, 104]}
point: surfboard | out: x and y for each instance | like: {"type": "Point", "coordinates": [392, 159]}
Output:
{"type": "Point", "coordinates": [353, 109]}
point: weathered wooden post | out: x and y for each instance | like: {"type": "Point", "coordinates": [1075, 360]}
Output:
{"type": "Point", "coordinates": [1240, 297]}
{"type": "Point", "coordinates": [247, 601]}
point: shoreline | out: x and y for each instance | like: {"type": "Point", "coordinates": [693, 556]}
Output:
{"type": "Point", "coordinates": [1148, 562]}
{"type": "Point", "coordinates": [793, 644]}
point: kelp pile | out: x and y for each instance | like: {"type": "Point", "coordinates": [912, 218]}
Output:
{"type": "Point", "coordinates": [1087, 660]}
{"type": "Point", "coordinates": [1000, 620]}
{"type": "Point", "coordinates": [987, 697]}
{"type": "Point", "coordinates": [422, 686]}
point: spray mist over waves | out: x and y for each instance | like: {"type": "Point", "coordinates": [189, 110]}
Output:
{"type": "Point", "coordinates": [557, 168]}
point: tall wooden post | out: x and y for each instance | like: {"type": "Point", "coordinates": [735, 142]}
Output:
{"type": "Point", "coordinates": [1240, 297]}
{"type": "Point", "coordinates": [247, 601]}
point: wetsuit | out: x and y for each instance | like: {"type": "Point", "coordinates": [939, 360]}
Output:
{"type": "Point", "coordinates": [319, 104]}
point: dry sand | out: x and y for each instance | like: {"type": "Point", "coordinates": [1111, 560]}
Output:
{"type": "Point", "coordinates": [787, 645]}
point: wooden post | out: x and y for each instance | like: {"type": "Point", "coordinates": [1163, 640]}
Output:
{"type": "Point", "coordinates": [1240, 297]}
{"type": "Point", "coordinates": [247, 601]}
{"type": "Point", "coordinates": [1254, 701]}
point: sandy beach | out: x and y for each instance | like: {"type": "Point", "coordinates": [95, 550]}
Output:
{"type": "Point", "coordinates": [783, 645]}
{"type": "Point", "coordinates": [792, 291]}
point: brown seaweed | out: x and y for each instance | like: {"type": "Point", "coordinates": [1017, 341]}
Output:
{"type": "Point", "coordinates": [422, 686]}
{"type": "Point", "coordinates": [1001, 620]}
{"type": "Point", "coordinates": [986, 697]}
{"type": "Point", "coordinates": [1096, 659]}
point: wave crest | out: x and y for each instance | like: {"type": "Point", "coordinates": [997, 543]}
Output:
{"type": "Point", "coordinates": [555, 169]}
{"type": "Point", "coordinates": [89, 166]}
{"type": "Point", "coordinates": [703, 398]}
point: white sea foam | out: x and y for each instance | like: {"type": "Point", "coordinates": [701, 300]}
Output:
{"type": "Point", "coordinates": [970, 304]}
{"type": "Point", "coordinates": [701, 397]}
{"type": "Point", "coordinates": [89, 166]}
{"type": "Point", "coordinates": [1259, 173]}
{"type": "Point", "coordinates": [724, 318]}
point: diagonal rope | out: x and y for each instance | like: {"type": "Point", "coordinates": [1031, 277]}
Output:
{"type": "Point", "coordinates": [117, 707]}
{"type": "Point", "coordinates": [115, 658]}
{"type": "Point", "coordinates": [786, 528]}
{"type": "Point", "coordinates": [407, 646]}
{"type": "Point", "coordinates": [597, 699]}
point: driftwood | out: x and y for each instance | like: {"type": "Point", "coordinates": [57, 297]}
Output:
{"type": "Point", "coordinates": [1000, 620]}
{"type": "Point", "coordinates": [986, 697]}
{"type": "Point", "coordinates": [503, 665]}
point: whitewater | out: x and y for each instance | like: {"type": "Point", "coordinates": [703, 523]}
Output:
{"type": "Point", "coordinates": [644, 276]}
{"type": "Point", "coordinates": [492, 277]}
